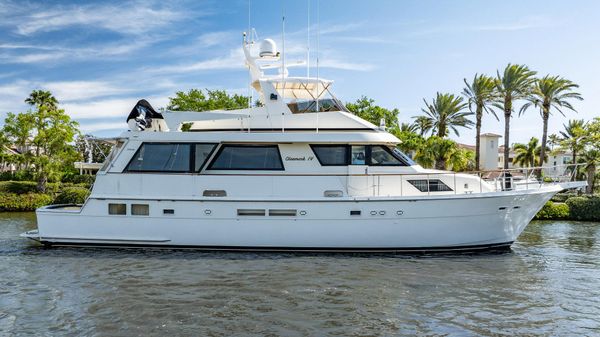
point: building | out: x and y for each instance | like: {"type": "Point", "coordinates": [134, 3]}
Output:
{"type": "Point", "coordinates": [492, 157]}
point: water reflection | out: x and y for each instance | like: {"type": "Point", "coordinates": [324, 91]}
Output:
{"type": "Point", "coordinates": [546, 286]}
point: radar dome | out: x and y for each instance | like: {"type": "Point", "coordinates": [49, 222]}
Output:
{"type": "Point", "coordinates": [268, 48]}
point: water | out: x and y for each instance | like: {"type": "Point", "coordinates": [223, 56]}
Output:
{"type": "Point", "coordinates": [547, 286]}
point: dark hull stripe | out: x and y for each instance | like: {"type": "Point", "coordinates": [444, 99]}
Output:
{"type": "Point", "coordinates": [449, 249]}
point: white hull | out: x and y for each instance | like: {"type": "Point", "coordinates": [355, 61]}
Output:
{"type": "Point", "coordinates": [454, 222]}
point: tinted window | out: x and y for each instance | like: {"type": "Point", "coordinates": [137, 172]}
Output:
{"type": "Point", "coordinates": [383, 156]}
{"type": "Point", "coordinates": [202, 153]}
{"type": "Point", "coordinates": [359, 155]}
{"type": "Point", "coordinates": [331, 155]}
{"type": "Point", "coordinates": [435, 185]}
{"type": "Point", "coordinates": [140, 209]}
{"type": "Point", "coordinates": [239, 157]}
{"type": "Point", "coordinates": [161, 158]}
{"type": "Point", "coordinates": [118, 209]}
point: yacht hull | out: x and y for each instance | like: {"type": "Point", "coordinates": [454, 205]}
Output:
{"type": "Point", "coordinates": [457, 222]}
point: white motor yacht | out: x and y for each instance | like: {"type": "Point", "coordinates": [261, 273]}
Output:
{"type": "Point", "coordinates": [298, 172]}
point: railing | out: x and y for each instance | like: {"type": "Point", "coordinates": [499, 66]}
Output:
{"type": "Point", "coordinates": [526, 178]}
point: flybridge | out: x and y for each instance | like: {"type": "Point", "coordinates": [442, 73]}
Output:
{"type": "Point", "coordinates": [287, 103]}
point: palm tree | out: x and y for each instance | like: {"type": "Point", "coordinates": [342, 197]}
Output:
{"type": "Point", "coordinates": [527, 154]}
{"type": "Point", "coordinates": [573, 137]}
{"type": "Point", "coordinates": [480, 94]}
{"type": "Point", "coordinates": [42, 98]}
{"type": "Point", "coordinates": [445, 113]}
{"type": "Point", "coordinates": [592, 160]}
{"type": "Point", "coordinates": [408, 127]}
{"type": "Point", "coordinates": [551, 92]}
{"type": "Point", "coordinates": [423, 124]}
{"type": "Point", "coordinates": [514, 84]}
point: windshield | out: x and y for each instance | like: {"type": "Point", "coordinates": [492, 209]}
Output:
{"type": "Point", "coordinates": [328, 104]}
{"type": "Point", "coordinates": [398, 154]}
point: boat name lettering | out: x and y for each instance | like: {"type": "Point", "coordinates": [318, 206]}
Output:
{"type": "Point", "coordinates": [288, 158]}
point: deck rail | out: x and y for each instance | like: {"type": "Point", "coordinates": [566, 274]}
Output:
{"type": "Point", "coordinates": [526, 178]}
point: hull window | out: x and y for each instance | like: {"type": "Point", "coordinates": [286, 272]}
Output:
{"type": "Point", "coordinates": [282, 212]}
{"type": "Point", "coordinates": [140, 209]}
{"type": "Point", "coordinates": [248, 157]}
{"type": "Point", "coordinates": [251, 212]}
{"type": "Point", "coordinates": [430, 185]}
{"type": "Point", "coordinates": [117, 209]}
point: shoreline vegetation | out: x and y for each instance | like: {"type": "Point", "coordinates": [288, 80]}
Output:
{"type": "Point", "coordinates": [38, 148]}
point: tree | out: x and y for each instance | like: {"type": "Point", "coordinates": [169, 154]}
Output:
{"type": "Point", "coordinates": [480, 94]}
{"type": "Point", "coordinates": [423, 125]}
{"type": "Point", "coordinates": [410, 142]}
{"type": "Point", "coordinates": [437, 151]}
{"type": "Point", "coordinates": [573, 138]}
{"type": "Point", "coordinates": [46, 130]}
{"type": "Point", "coordinates": [514, 84]}
{"type": "Point", "coordinates": [39, 98]}
{"type": "Point", "coordinates": [551, 92]}
{"type": "Point", "coordinates": [408, 127]}
{"type": "Point", "coordinates": [197, 100]}
{"type": "Point", "coordinates": [527, 154]}
{"type": "Point", "coordinates": [366, 109]}
{"type": "Point", "coordinates": [18, 130]}
{"type": "Point", "coordinates": [446, 113]}
{"type": "Point", "coordinates": [54, 131]}
{"type": "Point", "coordinates": [591, 158]}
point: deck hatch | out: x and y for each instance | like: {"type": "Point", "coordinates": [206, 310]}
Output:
{"type": "Point", "coordinates": [251, 212]}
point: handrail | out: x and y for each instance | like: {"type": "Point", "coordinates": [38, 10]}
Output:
{"type": "Point", "coordinates": [500, 182]}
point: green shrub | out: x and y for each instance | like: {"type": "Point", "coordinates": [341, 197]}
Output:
{"type": "Point", "coordinates": [562, 197]}
{"type": "Point", "coordinates": [584, 208]}
{"type": "Point", "coordinates": [18, 187]}
{"type": "Point", "coordinates": [10, 202]}
{"type": "Point", "coordinates": [72, 195]}
{"type": "Point", "coordinates": [553, 211]}
{"type": "Point", "coordinates": [21, 175]}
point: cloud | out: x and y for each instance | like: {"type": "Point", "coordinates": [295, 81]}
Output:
{"type": "Point", "coordinates": [235, 60]}
{"type": "Point", "coordinates": [344, 65]}
{"type": "Point", "coordinates": [131, 18]}
{"type": "Point", "coordinates": [103, 126]}
{"type": "Point", "coordinates": [56, 53]}
{"type": "Point", "coordinates": [107, 108]}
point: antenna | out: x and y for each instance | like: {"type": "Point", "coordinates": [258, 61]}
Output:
{"type": "Point", "coordinates": [282, 60]}
{"type": "Point", "coordinates": [247, 38]}
{"type": "Point", "coordinates": [318, 81]}
{"type": "Point", "coordinates": [308, 39]}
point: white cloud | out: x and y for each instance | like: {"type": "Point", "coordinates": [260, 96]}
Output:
{"type": "Point", "coordinates": [131, 18]}
{"type": "Point", "coordinates": [344, 65]}
{"type": "Point", "coordinates": [80, 90]}
{"type": "Point", "coordinates": [102, 126]}
{"type": "Point", "coordinates": [55, 53]}
{"type": "Point", "coordinates": [235, 60]}
{"type": "Point", "coordinates": [106, 108]}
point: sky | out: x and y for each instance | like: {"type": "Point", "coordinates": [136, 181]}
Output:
{"type": "Point", "coordinates": [99, 58]}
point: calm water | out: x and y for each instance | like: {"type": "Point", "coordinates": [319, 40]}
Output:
{"type": "Point", "coordinates": [549, 285]}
